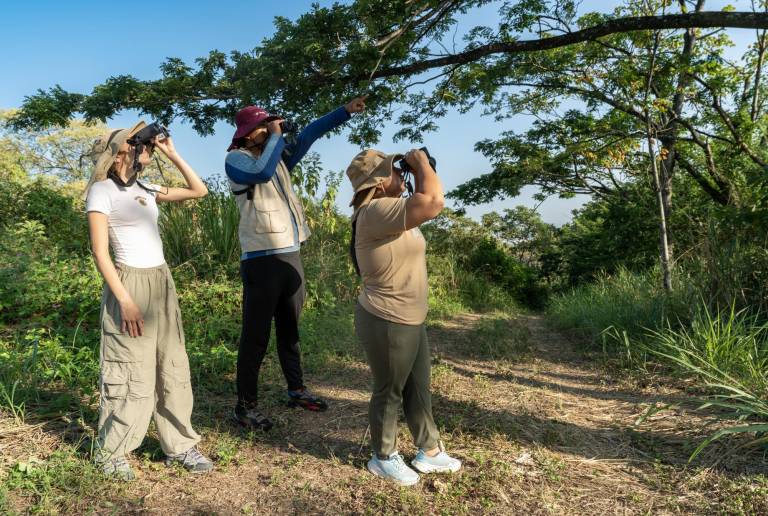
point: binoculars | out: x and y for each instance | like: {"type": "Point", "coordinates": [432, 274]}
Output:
{"type": "Point", "coordinates": [405, 167]}
{"type": "Point", "coordinates": [149, 133]}
{"type": "Point", "coordinates": [407, 171]}
{"type": "Point", "coordinates": [145, 138]}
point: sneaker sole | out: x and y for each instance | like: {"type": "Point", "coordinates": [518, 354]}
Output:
{"type": "Point", "coordinates": [430, 468]}
{"type": "Point", "coordinates": [119, 477]}
{"type": "Point", "coordinates": [306, 406]}
{"type": "Point", "coordinates": [376, 471]}
{"type": "Point", "coordinates": [236, 421]}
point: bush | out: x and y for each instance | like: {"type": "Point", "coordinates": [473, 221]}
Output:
{"type": "Point", "coordinates": [627, 301]}
{"type": "Point", "coordinates": [476, 253]}
{"type": "Point", "coordinates": [41, 284]}
{"type": "Point", "coordinates": [61, 216]}
{"type": "Point", "coordinates": [489, 260]}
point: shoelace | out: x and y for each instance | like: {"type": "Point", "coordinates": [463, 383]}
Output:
{"type": "Point", "coordinates": [119, 463]}
{"type": "Point", "coordinates": [399, 462]}
{"type": "Point", "coordinates": [192, 456]}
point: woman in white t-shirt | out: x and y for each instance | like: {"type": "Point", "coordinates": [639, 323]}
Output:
{"type": "Point", "coordinates": [144, 364]}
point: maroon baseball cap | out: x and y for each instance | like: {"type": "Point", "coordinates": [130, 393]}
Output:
{"type": "Point", "coordinates": [248, 119]}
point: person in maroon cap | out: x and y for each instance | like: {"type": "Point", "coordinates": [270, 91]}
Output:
{"type": "Point", "coordinates": [272, 228]}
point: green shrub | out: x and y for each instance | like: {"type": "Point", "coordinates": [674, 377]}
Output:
{"type": "Point", "coordinates": [41, 284]}
{"type": "Point", "coordinates": [61, 215]}
{"type": "Point", "coordinates": [626, 301]}
{"type": "Point", "coordinates": [202, 233]}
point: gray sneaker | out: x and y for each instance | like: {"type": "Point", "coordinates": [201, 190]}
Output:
{"type": "Point", "coordinates": [192, 460]}
{"type": "Point", "coordinates": [116, 467]}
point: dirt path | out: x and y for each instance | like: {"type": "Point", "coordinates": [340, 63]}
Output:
{"type": "Point", "coordinates": [540, 430]}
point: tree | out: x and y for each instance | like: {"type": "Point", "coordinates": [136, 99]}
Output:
{"type": "Point", "coordinates": [54, 151]}
{"type": "Point", "coordinates": [61, 153]}
{"type": "Point", "coordinates": [706, 113]}
{"type": "Point", "coordinates": [329, 53]}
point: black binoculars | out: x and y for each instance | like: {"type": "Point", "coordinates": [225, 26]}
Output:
{"type": "Point", "coordinates": [406, 171]}
{"type": "Point", "coordinates": [148, 133]}
{"type": "Point", "coordinates": [405, 167]}
{"type": "Point", "coordinates": [145, 138]}
{"type": "Point", "coordinates": [288, 127]}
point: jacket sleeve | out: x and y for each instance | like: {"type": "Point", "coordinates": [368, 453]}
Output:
{"type": "Point", "coordinates": [244, 169]}
{"type": "Point", "coordinates": [305, 139]}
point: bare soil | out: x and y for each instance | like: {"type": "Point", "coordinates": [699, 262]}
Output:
{"type": "Point", "coordinates": [543, 430]}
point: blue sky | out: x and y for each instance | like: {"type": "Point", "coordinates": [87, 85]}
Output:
{"type": "Point", "coordinates": [79, 44]}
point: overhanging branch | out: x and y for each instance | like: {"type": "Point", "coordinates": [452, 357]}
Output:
{"type": "Point", "coordinates": [707, 19]}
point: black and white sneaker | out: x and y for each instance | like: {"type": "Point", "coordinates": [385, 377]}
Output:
{"type": "Point", "coordinates": [251, 418]}
{"type": "Point", "coordinates": [306, 400]}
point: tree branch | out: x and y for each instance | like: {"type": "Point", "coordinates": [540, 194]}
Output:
{"type": "Point", "coordinates": [706, 19]}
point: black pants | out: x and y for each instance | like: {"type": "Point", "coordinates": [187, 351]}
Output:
{"type": "Point", "coordinates": [273, 286]}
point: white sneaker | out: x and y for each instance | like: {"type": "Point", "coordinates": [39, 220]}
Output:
{"type": "Point", "coordinates": [394, 469]}
{"type": "Point", "coordinates": [440, 463]}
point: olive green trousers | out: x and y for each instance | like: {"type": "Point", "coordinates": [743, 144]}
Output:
{"type": "Point", "coordinates": [398, 355]}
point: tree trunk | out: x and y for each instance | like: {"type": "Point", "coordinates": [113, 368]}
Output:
{"type": "Point", "coordinates": [662, 184]}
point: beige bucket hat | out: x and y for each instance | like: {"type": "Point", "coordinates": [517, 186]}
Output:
{"type": "Point", "coordinates": [367, 170]}
{"type": "Point", "coordinates": [105, 149]}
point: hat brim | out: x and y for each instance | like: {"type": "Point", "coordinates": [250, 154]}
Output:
{"type": "Point", "coordinates": [107, 158]}
{"type": "Point", "coordinates": [245, 130]}
{"type": "Point", "coordinates": [377, 176]}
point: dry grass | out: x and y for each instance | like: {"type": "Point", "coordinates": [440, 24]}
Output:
{"type": "Point", "coordinates": [539, 429]}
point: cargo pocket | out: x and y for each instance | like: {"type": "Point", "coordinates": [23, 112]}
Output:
{"type": "Point", "coordinates": [114, 381]}
{"type": "Point", "coordinates": [181, 368]}
{"type": "Point", "coordinates": [141, 383]}
{"type": "Point", "coordinates": [119, 346]}
{"type": "Point", "coordinates": [176, 373]}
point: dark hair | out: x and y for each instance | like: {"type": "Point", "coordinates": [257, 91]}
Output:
{"type": "Point", "coordinates": [239, 142]}
{"type": "Point", "coordinates": [352, 253]}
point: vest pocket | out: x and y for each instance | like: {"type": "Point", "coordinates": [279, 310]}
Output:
{"type": "Point", "coordinates": [268, 210]}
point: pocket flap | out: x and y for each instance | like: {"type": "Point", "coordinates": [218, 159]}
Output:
{"type": "Point", "coordinates": [110, 326]}
{"type": "Point", "coordinates": [114, 372]}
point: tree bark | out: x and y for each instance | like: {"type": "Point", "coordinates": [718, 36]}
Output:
{"type": "Point", "coordinates": [664, 248]}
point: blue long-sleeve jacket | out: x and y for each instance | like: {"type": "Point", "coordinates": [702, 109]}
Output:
{"type": "Point", "coordinates": [247, 170]}
{"type": "Point", "coordinates": [244, 169]}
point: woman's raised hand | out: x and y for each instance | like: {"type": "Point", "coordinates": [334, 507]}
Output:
{"type": "Point", "coordinates": [356, 105]}
{"type": "Point", "coordinates": [274, 126]}
{"type": "Point", "coordinates": [417, 159]}
{"type": "Point", "coordinates": [165, 145]}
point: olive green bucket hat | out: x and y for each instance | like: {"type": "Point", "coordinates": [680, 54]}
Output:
{"type": "Point", "coordinates": [105, 149]}
{"type": "Point", "coordinates": [367, 170]}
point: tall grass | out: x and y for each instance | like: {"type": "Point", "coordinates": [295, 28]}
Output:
{"type": "Point", "coordinates": [724, 349]}
{"type": "Point", "coordinates": [203, 233]}
{"type": "Point", "coordinates": [727, 351]}
{"type": "Point", "coordinates": [627, 301]}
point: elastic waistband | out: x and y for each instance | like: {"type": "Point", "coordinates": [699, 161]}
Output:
{"type": "Point", "coordinates": [142, 270]}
